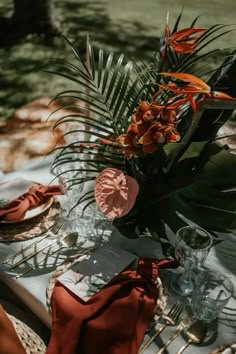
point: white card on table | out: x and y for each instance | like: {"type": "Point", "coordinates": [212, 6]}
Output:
{"type": "Point", "coordinates": [87, 277]}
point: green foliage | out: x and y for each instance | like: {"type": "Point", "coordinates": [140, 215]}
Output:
{"type": "Point", "coordinates": [185, 180]}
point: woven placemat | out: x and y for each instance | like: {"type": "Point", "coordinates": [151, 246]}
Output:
{"type": "Point", "coordinates": [30, 228]}
{"type": "Point", "coordinates": [62, 268]}
{"type": "Point", "coordinates": [30, 341]}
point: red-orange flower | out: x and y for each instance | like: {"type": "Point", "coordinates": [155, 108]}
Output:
{"type": "Point", "coordinates": [168, 112]}
{"type": "Point", "coordinates": [130, 140]}
{"type": "Point", "coordinates": [151, 125]}
{"type": "Point", "coordinates": [137, 117]}
{"type": "Point", "coordinates": [168, 115]}
{"type": "Point", "coordinates": [189, 85]}
{"type": "Point", "coordinates": [157, 134]}
{"type": "Point", "coordinates": [115, 193]}
{"type": "Point", "coordinates": [140, 123]}
{"type": "Point", "coordinates": [182, 41]}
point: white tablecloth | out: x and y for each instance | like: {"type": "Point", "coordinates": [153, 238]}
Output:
{"type": "Point", "coordinates": [32, 288]}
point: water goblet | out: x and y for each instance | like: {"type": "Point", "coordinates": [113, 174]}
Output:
{"type": "Point", "coordinates": [212, 291]}
{"type": "Point", "coordinates": [70, 180]}
{"type": "Point", "coordinates": [192, 245]}
{"type": "Point", "coordinates": [85, 220]}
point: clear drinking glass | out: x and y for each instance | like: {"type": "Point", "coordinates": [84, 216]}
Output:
{"type": "Point", "coordinates": [85, 220]}
{"type": "Point", "coordinates": [82, 220]}
{"type": "Point", "coordinates": [70, 181]}
{"type": "Point", "coordinates": [192, 245]}
{"type": "Point", "coordinates": [212, 291]}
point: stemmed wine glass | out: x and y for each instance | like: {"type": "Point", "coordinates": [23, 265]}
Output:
{"type": "Point", "coordinates": [71, 176]}
{"type": "Point", "coordinates": [70, 182]}
{"type": "Point", "coordinates": [192, 245]}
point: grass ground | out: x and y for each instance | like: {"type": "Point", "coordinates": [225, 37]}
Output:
{"type": "Point", "coordinates": [126, 25]}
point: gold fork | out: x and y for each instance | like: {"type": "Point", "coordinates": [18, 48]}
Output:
{"type": "Point", "coordinates": [170, 320]}
{"type": "Point", "coordinates": [65, 242]}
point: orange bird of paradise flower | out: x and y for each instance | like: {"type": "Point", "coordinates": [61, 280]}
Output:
{"type": "Point", "coordinates": [190, 85]}
{"type": "Point", "coordinates": [182, 41]}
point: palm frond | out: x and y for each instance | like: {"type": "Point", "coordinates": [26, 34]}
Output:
{"type": "Point", "coordinates": [195, 21]}
{"type": "Point", "coordinates": [176, 25]}
{"type": "Point", "coordinates": [188, 62]}
{"type": "Point", "coordinates": [78, 118]}
{"type": "Point", "coordinates": [224, 211]}
{"type": "Point", "coordinates": [108, 86]}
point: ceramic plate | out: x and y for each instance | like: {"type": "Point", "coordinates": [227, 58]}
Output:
{"type": "Point", "coordinates": [33, 212]}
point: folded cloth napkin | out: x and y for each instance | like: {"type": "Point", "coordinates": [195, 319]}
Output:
{"type": "Point", "coordinates": [13, 188]}
{"type": "Point", "coordinates": [113, 321]}
{"type": "Point", "coordinates": [9, 341]}
{"type": "Point", "coordinates": [37, 194]}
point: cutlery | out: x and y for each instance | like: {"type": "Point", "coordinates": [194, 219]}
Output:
{"type": "Point", "coordinates": [179, 329]}
{"type": "Point", "coordinates": [67, 241]}
{"type": "Point", "coordinates": [170, 320]}
{"type": "Point", "coordinates": [32, 254]}
{"type": "Point", "coordinates": [195, 334]}
{"type": "Point", "coordinates": [54, 230]}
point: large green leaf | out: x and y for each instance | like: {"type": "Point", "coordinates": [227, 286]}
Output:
{"type": "Point", "coordinates": [208, 200]}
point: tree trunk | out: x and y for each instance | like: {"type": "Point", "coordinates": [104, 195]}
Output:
{"type": "Point", "coordinates": [32, 16]}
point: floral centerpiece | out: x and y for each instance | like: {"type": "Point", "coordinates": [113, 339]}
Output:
{"type": "Point", "coordinates": [147, 133]}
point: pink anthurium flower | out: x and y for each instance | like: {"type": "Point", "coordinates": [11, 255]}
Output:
{"type": "Point", "coordinates": [115, 193]}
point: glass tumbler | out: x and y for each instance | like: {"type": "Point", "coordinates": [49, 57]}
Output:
{"type": "Point", "coordinates": [212, 290]}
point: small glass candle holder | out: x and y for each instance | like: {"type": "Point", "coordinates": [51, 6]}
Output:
{"type": "Point", "coordinates": [212, 291]}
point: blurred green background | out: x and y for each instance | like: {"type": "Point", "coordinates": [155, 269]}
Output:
{"type": "Point", "coordinates": [131, 26]}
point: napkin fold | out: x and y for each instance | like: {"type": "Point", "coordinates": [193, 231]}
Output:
{"type": "Point", "coordinates": [114, 320]}
{"type": "Point", "coordinates": [37, 194]}
{"type": "Point", "coordinates": [13, 188]}
{"type": "Point", "coordinates": [9, 341]}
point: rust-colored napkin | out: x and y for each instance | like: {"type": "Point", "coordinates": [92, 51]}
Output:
{"type": "Point", "coordinates": [9, 341]}
{"type": "Point", "coordinates": [113, 321]}
{"type": "Point", "coordinates": [37, 194]}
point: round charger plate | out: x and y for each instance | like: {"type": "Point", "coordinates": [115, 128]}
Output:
{"type": "Point", "coordinates": [61, 269]}
{"type": "Point", "coordinates": [33, 227]}
{"type": "Point", "coordinates": [30, 214]}
{"type": "Point", "coordinates": [30, 341]}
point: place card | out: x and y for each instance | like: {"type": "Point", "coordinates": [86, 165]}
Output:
{"type": "Point", "coordinates": [90, 275]}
